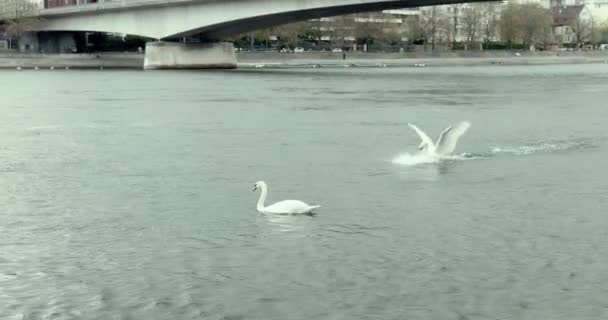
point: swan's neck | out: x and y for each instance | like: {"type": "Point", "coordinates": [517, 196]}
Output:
{"type": "Point", "coordinates": [262, 199]}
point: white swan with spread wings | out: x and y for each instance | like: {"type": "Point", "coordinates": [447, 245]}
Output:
{"type": "Point", "coordinates": [446, 144]}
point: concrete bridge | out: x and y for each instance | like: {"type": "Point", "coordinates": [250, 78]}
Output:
{"type": "Point", "coordinates": [212, 20]}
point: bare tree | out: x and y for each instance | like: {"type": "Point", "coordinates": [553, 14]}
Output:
{"type": "Point", "coordinates": [340, 27]}
{"type": "Point", "coordinates": [582, 27]}
{"type": "Point", "coordinates": [414, 30]}
{"type": "Point", "coordinates": [534, 21]}
{"type": "Point", "coordinates": [389, 32]}
{"type": "Point", "coordinates": [453, 23]}
{"type": "Point", "coordinates": [366, 31]}
{"type": "Point", "coordinates": [489, 20]}
{"type": "Point", "coordinates": [471, 20]}
{"type": "Point", "coordinates": [509, 23]}
{"type": "Point", "coordinates": [18, 17]}
{"type": "Point", "coordinates": [261, 36]}
{"type": "Point", "coordinates": [596, 31]}
{"type": "Point", "coordinates": [430, 24]}
{"type": "Point", "coordinates": [289, 34]}
{"type": "Point", "coordinates": [311, 30]}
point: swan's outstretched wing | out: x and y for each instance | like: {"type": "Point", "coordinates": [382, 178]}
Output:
{"type": "Point", "coordinates": [421, 134]}
{"type": "Point", "coordinates": [449, 138]}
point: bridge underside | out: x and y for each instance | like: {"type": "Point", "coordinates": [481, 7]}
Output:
{"type": "Point", "coordinates": [213, 20]}
{"type": "Point", "coordinates": [231, 28]}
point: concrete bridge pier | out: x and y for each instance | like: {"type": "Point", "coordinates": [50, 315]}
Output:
{"type": "Point", "coordinates": [178, 55]}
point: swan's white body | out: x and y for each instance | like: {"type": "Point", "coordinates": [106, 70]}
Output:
{"type": "Point", "coordinates": [446, 144]}
{"type": "Point", "coordinates": [281, 207]}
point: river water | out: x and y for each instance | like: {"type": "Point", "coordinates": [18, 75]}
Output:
{"type": "Point", "coordinates": [127, 195]}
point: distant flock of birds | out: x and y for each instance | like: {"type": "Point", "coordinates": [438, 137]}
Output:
{"type": "Point", "coordinates": [347, 65]}
{"type": "Point", "coordinates": [257, 66]}
{"type": "Point", "coordinates": [445, 145]}
{"type": "Point", "coordinates": [51, 68]}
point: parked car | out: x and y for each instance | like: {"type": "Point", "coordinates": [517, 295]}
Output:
{"type": "Point", "coordinates": [298, 50]}
{"type": "Point", "coordinates": [603, 46]}
{"type": "Point", "coordinates": [337, 50]}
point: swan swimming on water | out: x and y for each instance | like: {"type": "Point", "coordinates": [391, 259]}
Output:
{"type": "Point", "coordinates": [446, 143]}
{"type": "Point", "coordinates": [281, 207]}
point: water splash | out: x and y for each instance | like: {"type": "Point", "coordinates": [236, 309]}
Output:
{"type": "Point", "coordinates": [407, 159]}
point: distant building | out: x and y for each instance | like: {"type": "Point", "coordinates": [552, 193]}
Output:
{"type": "Point", "coordinates": [63, 3]}
{"type": "Point", "coordinates": [564, 15]}
{"type": "Point", "coordinates": [542, 3]}
{"type": "Point", "coordinates": [344, 28]}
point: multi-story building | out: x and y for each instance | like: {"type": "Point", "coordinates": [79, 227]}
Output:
{"type": "Point", "coordinates": [567, 16]}
{"type": "Point", "coordinates": [346, 28]}
{"type": "Point", "coordinates": [63, 3]}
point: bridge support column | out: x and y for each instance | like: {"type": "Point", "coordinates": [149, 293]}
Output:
{"type": "Point", "coordinates": [57, 42]}
{"type": "Point", "coordinates": [174, 55]}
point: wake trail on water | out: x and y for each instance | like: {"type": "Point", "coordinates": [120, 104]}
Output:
{"type": "Point", "coordinates": [542, 147]}
{"type": "Point", "coordinates": [409, 159]}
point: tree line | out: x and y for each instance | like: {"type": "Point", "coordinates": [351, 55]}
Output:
{"type": "Point", "coordinates": [16, 18]}
{"type": "Point", "coordinates": [522, 24]}
{"type": "Point", "coordinates": [510, 23]}
{"type": "Point", "coordinates": [460, 26]}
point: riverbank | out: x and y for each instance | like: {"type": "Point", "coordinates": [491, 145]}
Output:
{"type": "Point", "coordinates": [72, 61]}
{"type": "Point", "coordinates": [273, 59]}
{"type": "Point", "coordinates": [311, 59]}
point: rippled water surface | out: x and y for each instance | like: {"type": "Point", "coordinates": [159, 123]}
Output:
{"type": "Point", "coordinates": [127, 195]}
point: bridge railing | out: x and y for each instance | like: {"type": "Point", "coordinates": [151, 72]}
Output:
{"type": "Point", "coordinates": [47, 7]}
{"type": "Point", "coordinates": [48, 4]}
{"type": "Point", "coordinates": [20, 8]}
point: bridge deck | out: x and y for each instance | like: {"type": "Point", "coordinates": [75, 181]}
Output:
{"type": "Point", "coordinates": [111, 5]}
